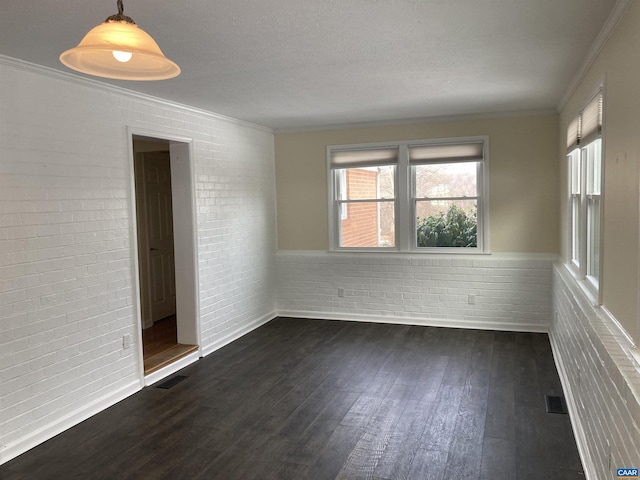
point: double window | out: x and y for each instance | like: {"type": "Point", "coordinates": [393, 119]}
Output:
{"type": "Point", "coordinates": [584, 153]}
{"type": "Point", "coordinates": [409, 196]}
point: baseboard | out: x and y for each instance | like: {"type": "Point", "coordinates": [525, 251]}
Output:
{"type": "Point", "coordinates": [424, 322]}
{"type": "Point", "coordinates": [12, 450]}
{"type": "Point", "coordinates": [227, 339]}
{"type": "Point", "coordinates": [45, 433]}
{"type": "Point", "coordinates": [574, 416]}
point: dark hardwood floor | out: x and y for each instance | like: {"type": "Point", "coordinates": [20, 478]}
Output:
{"type": "Point", "coordinates": [309, 399]}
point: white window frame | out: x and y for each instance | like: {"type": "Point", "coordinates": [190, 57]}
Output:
{"type": "Point", "coordinates": [337, 208]}
{"type": "Point", "coordinates": [342, 181]}
{"type": "Point", "coordinates": [575, 206]}
{"type": "Point", "coordinates": [593, 196]}
{"type": "Point", "coordinates": [583, 193]}
{"type": "Point", "coordinates": [405, 223]}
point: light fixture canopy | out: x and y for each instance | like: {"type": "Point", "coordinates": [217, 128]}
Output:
{"type": "Point", "coordinates": [119, 49]}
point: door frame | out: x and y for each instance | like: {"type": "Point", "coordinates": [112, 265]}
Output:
{"type": "Point", "coordinates": [186, 243]}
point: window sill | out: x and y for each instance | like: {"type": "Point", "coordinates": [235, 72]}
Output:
{"type": "Point", "coordinates": [448, 251]}
{"type": "Point", "coordinates": [587, 287]}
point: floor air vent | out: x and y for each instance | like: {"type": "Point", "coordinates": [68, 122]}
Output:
{"type": "Point", "coordinates": [555, 404]}
{"type": "Point", "coordinates": [172, 381]}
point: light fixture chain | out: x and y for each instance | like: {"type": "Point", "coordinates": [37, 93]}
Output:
{"type": "Point", "coordinates": [120, 16]}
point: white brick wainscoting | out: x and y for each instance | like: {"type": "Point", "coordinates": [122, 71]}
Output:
{"type": "Point", "coordinates": [600, 377]}
{"type": "Point", "coordinates": [502, 292]}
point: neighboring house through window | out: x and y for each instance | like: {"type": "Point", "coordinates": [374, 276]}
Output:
{"type": "Point", "coordinates": [364, 185]}
{"type": "Point", "coordinates": [409, 196]}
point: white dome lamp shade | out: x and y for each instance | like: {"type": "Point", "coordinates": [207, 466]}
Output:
{"type": "Point", "coordinates": [119, 49]}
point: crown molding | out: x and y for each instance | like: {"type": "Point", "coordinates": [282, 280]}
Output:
{"type": "Point", "coordinates": [607, 30]}
{"type": "Point", "coordinates": [89, 82]}
{"type": "Point", "coordinates": [417, 120]}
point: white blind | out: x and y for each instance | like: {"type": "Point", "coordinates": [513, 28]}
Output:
{"type": "Point", "coordinates": [592, 120]}
{"type": "Point", "coordinates": [364, 157]}
{"type": "Point", "coordinates": [460, 152]}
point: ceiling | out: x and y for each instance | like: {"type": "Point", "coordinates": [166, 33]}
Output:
{"type": "Point", "coordinates": [290, 64]}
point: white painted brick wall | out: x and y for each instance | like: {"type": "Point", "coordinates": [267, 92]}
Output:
{"type": "Point", "coordinates": [512, 292]}
{"type": "Point", "coordinates": [66, 261]}
{"type": "Point", "coordinates": [235, 189]}
{"type": "Point", "coordinates": [600, 378]}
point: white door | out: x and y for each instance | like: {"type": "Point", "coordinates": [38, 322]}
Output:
{"type": "Point", "coordinates": [156, 168]}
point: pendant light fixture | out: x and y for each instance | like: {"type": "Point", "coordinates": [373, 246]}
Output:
{"type": "Point", "coordinates": [119, 49]}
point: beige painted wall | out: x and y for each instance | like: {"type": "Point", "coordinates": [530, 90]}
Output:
{"type": "Point", "coordinates": [523, 179]}
{"type": "Point", "coordinates": [619, 66]}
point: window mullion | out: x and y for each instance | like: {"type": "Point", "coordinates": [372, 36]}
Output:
{"type": "Point", "coordinates": [430, 199]}
{"type": "Point", "coordinates": [337, 214]}
{"type": "Point", "coordinates": [404, 210]}
{"type": "Point", "coordinates": [481, 176]}
{"type": "Point", "coordinates": [583, 213]}
{"type": "Point", "coordinates": [367, 200]}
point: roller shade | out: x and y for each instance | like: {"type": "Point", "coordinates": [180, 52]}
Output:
{"type": "Point", "coordinates": [461, 152]}
{"type": "Point", "coordinates": [372, 157]}
{"type": "Point", "coordinates": [573, 134]}
{"type": "Point", "coordinates": [587, 126]}
{"type": "Point", "coordinates": [592, 120]}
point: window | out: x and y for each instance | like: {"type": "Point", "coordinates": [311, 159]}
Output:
{"type": "Point", "coordinates": [445, 194]}
{"type": "Point", "coordinates": [575, 202]}
{"type": "Point", "coordinates": [409, 196]}
{"type": "Point", "coordinates": [592, 154]}
{"type": "Point", "coordinates": [365, 197]}
{"type": "Point", "coordinates": [584, 154]}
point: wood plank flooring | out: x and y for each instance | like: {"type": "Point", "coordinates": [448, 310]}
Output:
{"type": "Point", "coordinates": [310, 399]}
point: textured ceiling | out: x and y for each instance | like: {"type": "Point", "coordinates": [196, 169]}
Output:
{"type": "Point", "coordinates": [299, 63]}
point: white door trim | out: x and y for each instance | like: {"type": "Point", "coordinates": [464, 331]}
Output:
{"type": "Point", "coordinates": [181, 146]}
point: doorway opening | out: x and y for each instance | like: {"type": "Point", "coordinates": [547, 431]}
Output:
{"type": "Point", "coordinates": [166, 252]}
